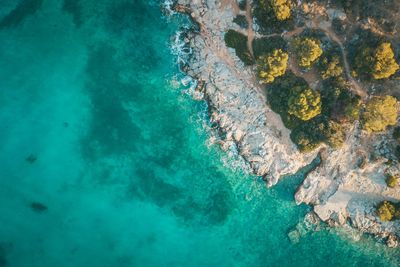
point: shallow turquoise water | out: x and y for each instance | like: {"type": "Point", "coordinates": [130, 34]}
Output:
{"type": "Point", "coordinates": [95, 127]}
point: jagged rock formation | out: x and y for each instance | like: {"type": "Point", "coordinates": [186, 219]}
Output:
{"type": "Point", "coordinates": [349, 182]}
{"type": "Point", "coordinates": [236, 102]}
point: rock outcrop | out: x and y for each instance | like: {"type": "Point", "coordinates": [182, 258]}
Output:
{"type": "Point", "coordinates": [236, 100]}
{"type": "Point", "coordinates": [344, 189]}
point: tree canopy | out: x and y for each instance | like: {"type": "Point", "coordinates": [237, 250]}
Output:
{"type": "Point", "coordinates": [384, 64]}
{"type": "Point", "coordinates": [272, 65]}
{"type": "Point", "coordinates": [380, 112]}
{"type": "Point", "coordinates": [308, 50]}
{"type": "Point", "coordinates": [304, 103]}
{"type": "Point", "coordinates": [378, 63]}
{"type": "Point", "coordinates": [281, 8]}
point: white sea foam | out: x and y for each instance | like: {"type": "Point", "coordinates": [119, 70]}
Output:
{"type": "Point", "coordinates": [179, 47]}
{"type": "Point", "coordinates": [167, 7]}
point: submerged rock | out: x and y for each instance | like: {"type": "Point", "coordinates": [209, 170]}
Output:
{"type": "Point", "coordinates": [31, 158]}
{"type": "Point", "coordinates": [294, 236]}
{"type": "Point", "coordinates": [3, 257]}
{"type": "Point", "coordinates": [38, 207]}
{"type": "Point", "coordinates": [393, 241]}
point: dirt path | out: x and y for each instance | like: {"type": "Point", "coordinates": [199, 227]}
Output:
{"type": "Point", "coordinates": [354, 84]}
{"type": "Point", "coordinates": [312, 78]}
{"type": "Point", "coordinates": [250, 31]}
{"type": "Point", "coordinates": [232, 3]}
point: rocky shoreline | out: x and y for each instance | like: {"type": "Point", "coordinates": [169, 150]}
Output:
{"type": "Point", "coordinates": [343, 189]}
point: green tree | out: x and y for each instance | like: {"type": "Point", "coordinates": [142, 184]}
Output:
{"type": "Point", "coordinates": [386, 211]}
{"type": "Point", "coordinates": [304, 103]}
{"type": "Point", "coordinates": [330, 68]}
{"type": "Point", "coordinates": [380, 112]}
{"type": "Point", "coordinates": [384, 64]}
{"type": "Point", "coordinates": [379, 62]}
{"type": "Point", "coordinates": [307, 50]}
{"type": "Point", "coordinates": [281, 8]}
{"type": "Point", "coordinates": [272, 65]}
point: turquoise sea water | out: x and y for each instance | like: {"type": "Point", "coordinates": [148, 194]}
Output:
{"type": "Point", "coordinates": [104, 160]}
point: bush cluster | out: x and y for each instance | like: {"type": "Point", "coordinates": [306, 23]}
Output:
{"type": "Point", "coordinates": [301, 110]}
{"type": "Point", "coordinates": [242, 4]}
{"type": "Point", "coordinates": [266, 45]}
{"type": "Point", "coordinates": [338, 102]}
{"type": "Point", "coordinates": [241, 20]}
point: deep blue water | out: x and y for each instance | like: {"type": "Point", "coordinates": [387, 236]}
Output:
{"type": "Point", "coordinates": [105, 161]}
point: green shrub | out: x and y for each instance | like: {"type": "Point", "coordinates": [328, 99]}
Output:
{"type": "Point", "coordinates": [264, 46]}
{"type": "Point", "coordinates": [303, 141]}
{"type": "Point", "coordinates": [352, 108]}
{"type": "Point", "coordinates": [242, 4]}
{"type": "Point", "coordinates": [380, 112]}
{"type": "Point", "coordinates": [330, 93]}
{"type": "Point", "coordinates": [311, 134]}
{"type": "Point", "coordinates": [238, 41]}
{"type": "Point", "coordinates": [272, 65]}
{"type": "Point", "coordinates": [338, 102]}
{"type": "Point", "coordinates": [334, 134]}
{"type": "Point", "coordinates": [396, 134]}
{"type": "Point", "coordinates": [386, 211]}
{"type": "Point", "coordinates": [347, 106]}
{"type": "Point", "coordinates": [392, 181]}
{"type": "Point", "coordinates": [307, 136]}
{"type": "Point", "coordinates": [338, 26]}
{"type": "Point", "coordinates": [241, 21]}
